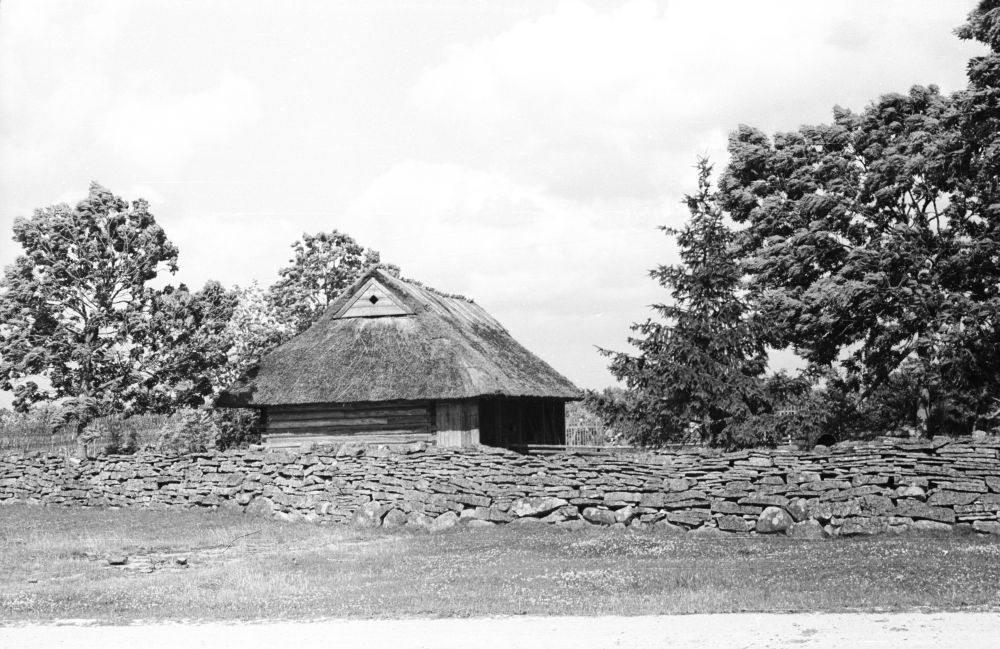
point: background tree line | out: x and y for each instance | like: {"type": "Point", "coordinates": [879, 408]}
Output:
{"type": "Point", "coordinates": [869, 245]}
{"type": "Point", "coordinates": [79, 309]}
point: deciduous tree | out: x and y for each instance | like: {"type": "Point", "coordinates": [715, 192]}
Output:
{"type": "Point", "coordinates": [323, 266]}
{"type": "Point", "coordinates": [873, 242]}
{"type": "Point", "coordinates": [183, 350]}
{"type": "Point", "coordinates": [254, 328]}
{"type": "Point", "coordinates": [77, 309]}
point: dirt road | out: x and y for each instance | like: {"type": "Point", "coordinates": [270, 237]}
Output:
{"type": "Point", "coordinates": [739, 631]}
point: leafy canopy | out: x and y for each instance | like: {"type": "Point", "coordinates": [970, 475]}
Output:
{"type": "Point", "coordinates": [324, 265]}
{"type": "Point", "coordinates": [254, 328]}
{"type": "Point", "coordinates": [186, 348]}
{"type": "Point", "coordinates": [76, 309]}
{"type": "Point", "coordinates": [873, 242]}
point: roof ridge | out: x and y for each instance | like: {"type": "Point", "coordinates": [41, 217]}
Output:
{"type": "Point", "coordinates": [431, 289]}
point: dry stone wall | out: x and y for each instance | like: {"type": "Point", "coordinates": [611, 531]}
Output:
{"type": "Point", "coordinates": [889, 485]}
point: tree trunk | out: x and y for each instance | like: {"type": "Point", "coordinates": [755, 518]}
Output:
{"type": "Point", "coordinates": [924, 396]}
{"type": "Point", "coordinates": [81, 442]}
{"type": "Point", "coordinates": [83, 398]}
{"type": "Point", "coordinates": [923, 411]}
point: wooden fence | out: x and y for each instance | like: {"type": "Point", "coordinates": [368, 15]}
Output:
{"type": "Point", "coordinates": [585, 436]}
{"type": "Point", "coordinates": [25, 434]}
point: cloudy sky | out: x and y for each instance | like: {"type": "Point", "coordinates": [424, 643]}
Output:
{"type": "Point", "coordinates": [520, 152]}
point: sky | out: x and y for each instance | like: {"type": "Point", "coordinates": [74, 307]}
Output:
{"type": "Point", "coordinates": [520, 152]}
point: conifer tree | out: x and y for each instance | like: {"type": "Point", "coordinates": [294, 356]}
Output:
{"type": "Point", "coordinates": [698, 367]}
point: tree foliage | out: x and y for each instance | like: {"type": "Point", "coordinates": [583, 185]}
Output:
{"type": "Point", "coordinates": [73, 302]}
{"type": "Point", "coordinates": [254, 328]}
{"type": "Point", "coordinates": [873, 242]}
{"type": "Point", "coordinates": [698, 366]}
{"type": "Point", "coordinates": [323, 266]}
{"type": "Point", "coordinates": [185, 348]}
{"type": "Point", "coordinates": [77, 309]}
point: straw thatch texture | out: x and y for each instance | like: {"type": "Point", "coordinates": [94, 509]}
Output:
{"type": "Point", "coordinates": [450, 348]}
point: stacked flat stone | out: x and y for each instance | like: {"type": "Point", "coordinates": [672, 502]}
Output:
{"type": "Point", "coordinates": [888, 485]}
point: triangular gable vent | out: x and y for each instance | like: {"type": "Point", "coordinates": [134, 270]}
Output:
{"type": "Point", "coordinates": [372, 301]}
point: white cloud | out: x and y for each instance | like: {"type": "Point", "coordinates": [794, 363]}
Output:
{"type": "Point", "coordinates": [50, 93]}
{"type": "Point", "coordinates": [153, 126]}
{"type": "Point", "coordinates": [615, 103]}
{"type": "Point", "coordinates": [83, 100]}
{"type": "Point", "coordinates": [233, 248]}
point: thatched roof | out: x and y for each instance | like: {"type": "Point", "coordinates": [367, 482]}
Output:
{"type": "Point", "coordinates": [388, 339]}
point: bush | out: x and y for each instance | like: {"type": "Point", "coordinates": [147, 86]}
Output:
{"type": "Point", "coordinates": [237, 427]}
{"type": "Point", "coordinates": [791, 409]}
{"type": "Point", "coordinates": [804, 410]}
{"type": "Point", "coordinates": [953, 411]}
{"type": "Point", "coordinates": [623, 417]}
{"type": "Point", "coordinates": [187, 431]}
{"type": "Point", "coordinates": [121, 434]}
{"type": "Point", "coordinates": [192, 431]}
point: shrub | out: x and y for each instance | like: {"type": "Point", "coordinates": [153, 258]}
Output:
{"type": "Point", "coordinates": [187, 431]}
{"type": "Point", "coordinates": [121, 434]}
{"type": "Point", "coordinates": [191, 431]}
{"type": "Point", "coordinates": [237, 427]}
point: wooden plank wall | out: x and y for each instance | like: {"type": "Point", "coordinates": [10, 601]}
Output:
{"type": "Point", "coordinates": [457, 423]}
{"type": "Point", "coordinates": [328, 424]}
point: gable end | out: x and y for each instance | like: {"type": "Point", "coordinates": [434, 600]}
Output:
{"type": "Point", "coordinates": [373, 300]}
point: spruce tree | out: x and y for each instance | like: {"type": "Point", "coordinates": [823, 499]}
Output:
{"type": "Point", "coordinates": [698, 368]}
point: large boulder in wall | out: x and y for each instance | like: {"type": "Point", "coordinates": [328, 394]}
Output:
{"type": "Point", "coordinates": [773, 520]}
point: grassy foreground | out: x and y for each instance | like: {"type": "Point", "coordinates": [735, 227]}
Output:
{"type": "Point", "coordinates": [222, 565]}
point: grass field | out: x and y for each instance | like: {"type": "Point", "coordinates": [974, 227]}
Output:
{"type": "Point", "coordinates": [220, 565]}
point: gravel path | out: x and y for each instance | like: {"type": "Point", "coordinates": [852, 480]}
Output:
{"type": "Point", "coordinates": [738, 631]}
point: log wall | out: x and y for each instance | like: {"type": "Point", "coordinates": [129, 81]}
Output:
{"type": "Point", "coordinates": [326, 424]}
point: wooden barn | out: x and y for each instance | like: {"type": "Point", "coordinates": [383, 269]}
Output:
{"type": "Point", "coordinates": [394, 361]}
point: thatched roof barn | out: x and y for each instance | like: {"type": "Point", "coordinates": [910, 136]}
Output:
{"type": "Point", "coordinates": [394, 360]}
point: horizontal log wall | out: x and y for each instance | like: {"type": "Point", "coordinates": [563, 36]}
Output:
{"type": "Point", "coordinates": [851, 489]}
{"type": "Point", "coordinates": [323, 424]}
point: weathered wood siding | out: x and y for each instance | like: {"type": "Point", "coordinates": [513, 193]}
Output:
{"type": "Point", "coordinates": [330, 423]}
{"type": "Point", "coordinates": [500, 421]}
{"type": "Point", "coordinates": [520, 421]}
{"type": "Point", "coordinates": [457, 423]}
